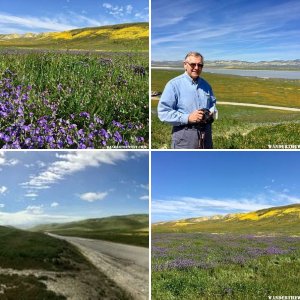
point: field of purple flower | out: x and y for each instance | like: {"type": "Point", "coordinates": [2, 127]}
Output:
{"type": "Point", "coordinates": [73, 100]}
{"type": "Point", "coordinates": [224, 266]}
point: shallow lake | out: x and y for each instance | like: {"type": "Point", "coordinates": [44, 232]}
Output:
{"type": "Point", "coordinates": [253, 73]}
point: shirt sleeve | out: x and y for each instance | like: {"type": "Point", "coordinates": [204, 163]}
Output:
{"type": "Point", "coordinates": [167, 107]}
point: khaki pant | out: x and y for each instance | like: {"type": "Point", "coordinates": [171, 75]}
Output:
{"type": "Point", "coordinates": [192, 137]}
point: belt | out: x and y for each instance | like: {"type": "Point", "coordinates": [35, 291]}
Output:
{"type": "Point", "coordinates": [198, 126]}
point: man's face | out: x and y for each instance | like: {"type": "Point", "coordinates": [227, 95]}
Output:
{"type": "Point", "coordinates": [193, 66]}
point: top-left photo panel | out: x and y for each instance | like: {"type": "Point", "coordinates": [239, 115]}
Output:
{"type": "Point", "coordinates": [74, 74]}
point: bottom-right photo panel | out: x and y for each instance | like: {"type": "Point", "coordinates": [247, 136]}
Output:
{"type": "Point", "coordinates": [225, 225]}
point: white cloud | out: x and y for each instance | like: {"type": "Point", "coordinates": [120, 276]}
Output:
{"type": "Point", "coordinates": [129, 9]}
{"type": "Point", "coordinates": [70, 163]}
{"type": "Point", "coordinates": [26, 218]}
{"type": "Point", "coordinates": [123, 11]}
{"type": "Point", "coordinates": [3, 160]}
{"type": "Point", "coordinates": [2, 205]}
{"type": "Point", "coordinates": [33, 23]}
{"type": "Point", "coordinates": [28, 165]}
{"type": "Point", "coordinates": [3, 189]}
{"type": "Point", "coordinates": [145, 186]}
{"type": "Point", "coordinates": [145, 197]}
{"type": "Point", "coordinates": [35, 209]}
{"type": "Point", "coordinates": [91, 197]}
{"type": "Point", "coordinates": [54, 204]}
{"type": "Point", "coordinates": [31, 195]}
{"type": "Point", "coordinates": [182, 207]}
{"type": "Point", "coordinates": [80, 19]}
{"type": "Point", "coordinates": [107, 5]}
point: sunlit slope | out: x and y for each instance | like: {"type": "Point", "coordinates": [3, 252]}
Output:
{"type": "Point", "coordinates": [122, 37]}
{"type": "Point", "coordinates": [129, 229]}
{"type": "Point", "coordinates": [281, 219]}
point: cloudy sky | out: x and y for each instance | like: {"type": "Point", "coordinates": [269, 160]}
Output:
{"type": "Point", "coordinates": [194, 184]}
{"type": "Point", "coordinates": [48, 186]}
{"type": "Point", "coordinates": [232, 29]}
{"type": "Point", "coordinates": [19, 16]}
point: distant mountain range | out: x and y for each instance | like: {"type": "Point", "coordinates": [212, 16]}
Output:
{"type": "Point", "coordinates": [121, 37]}
{"type": "Point", "coordinates": [281, 219]}
{"type": "Point", "coordinates": [237, 64]}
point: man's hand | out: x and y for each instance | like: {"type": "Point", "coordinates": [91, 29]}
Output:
{"type": "Point", "coordinates": [196, 116]}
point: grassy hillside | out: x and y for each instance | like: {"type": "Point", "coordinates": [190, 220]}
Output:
{"type": "Point", "coordinates": [230, 88]}
{"type": "Point", "coordinates": [129, 229]}
{"type": "Point", "coordinates": [279, 220]}
{"type": "Point", "coordinates": [121, 37]}
{"type": "Point", "coordinates": [21, 249]}
{"type": "Point", "coordinates": [36, 266]}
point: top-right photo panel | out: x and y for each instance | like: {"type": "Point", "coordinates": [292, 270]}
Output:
{"type": "Point", "coordinates": [225, 74]}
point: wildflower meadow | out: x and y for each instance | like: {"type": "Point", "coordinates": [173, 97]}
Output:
{"type": "Point", "coordinates": [224, 266]}
{"type": "Point", "coordinates": [73, 99]}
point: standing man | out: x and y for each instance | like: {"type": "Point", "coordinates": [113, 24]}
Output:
{"type": "Point", "coordinates": [188, 103]}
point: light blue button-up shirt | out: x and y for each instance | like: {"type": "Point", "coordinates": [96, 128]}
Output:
{"type": "Point", "coordinates": [181, 96]}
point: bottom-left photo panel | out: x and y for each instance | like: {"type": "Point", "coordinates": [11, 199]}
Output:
{"type": "Point", "coordinates": [74, 224]}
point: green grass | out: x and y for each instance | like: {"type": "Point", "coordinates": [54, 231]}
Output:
{"type": "Point", "coordinates": [130, 229]}
{"type": "Point", "coordinates": [105, 85]}
{"type": "Point", "coordinates": [21, 249]}
{"type": "Point", "coordinates": [241, 127]}
{"type": "Point", "coordinates": [257, 279]}
{"type": "Point", "coordinates": [230, 88]}
{"type": "Point", "coordinates": [86, 83]}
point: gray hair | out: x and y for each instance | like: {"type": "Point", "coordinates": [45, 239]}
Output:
{"type": "Point", "coordinates": [193, 53]}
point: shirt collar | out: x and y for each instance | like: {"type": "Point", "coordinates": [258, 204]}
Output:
{"type": "Point", "coordinates": [190, 79]}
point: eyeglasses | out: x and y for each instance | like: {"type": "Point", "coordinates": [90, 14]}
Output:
{"type": "Point", "coordinates": [193, 65]}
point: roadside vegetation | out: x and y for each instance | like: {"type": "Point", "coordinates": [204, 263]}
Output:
{"type": "Point", "coordinates": [241, 127]}
{"type": "Point", "coordinates": [30, 260]}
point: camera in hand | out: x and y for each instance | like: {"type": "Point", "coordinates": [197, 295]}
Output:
{"type": "Point", "coordinates": [207, 116]}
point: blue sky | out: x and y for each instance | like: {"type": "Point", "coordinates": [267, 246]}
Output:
{"type": "Point", "coordinates": [232, 29]}
{"type": "Point", "coordinates": [19, 16]}
{"type": "Point", "coordinates": [48, 186]}
{"type": "Point", "coordinates": [194, 184]}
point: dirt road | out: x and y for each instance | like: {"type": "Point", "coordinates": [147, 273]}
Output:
{"type": "Point", "coordinates": [127, 265]}
{"type": "Point", "coordinates": [246, 104]}
{"type": "Point", "coordinates": [259, 105]}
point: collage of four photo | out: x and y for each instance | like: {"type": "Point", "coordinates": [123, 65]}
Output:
{"type": "Point", "coordinates": [150, 150]}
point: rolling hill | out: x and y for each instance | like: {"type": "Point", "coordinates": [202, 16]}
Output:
{"type": "Point", "coordinates": [277, 220]}
{"type": "Point", "coordinates": [121, 37]}
{"type": "Point", "coordinates": [129, 229]}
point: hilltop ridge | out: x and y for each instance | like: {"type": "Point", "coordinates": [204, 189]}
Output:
{"type": "Point", "coordinates": [278, 219]}
{"type": "Point", "coordinates": [119, 37]}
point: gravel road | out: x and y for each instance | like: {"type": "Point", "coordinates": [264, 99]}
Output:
{"type": "Point", "coordinates": [127, 265]}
